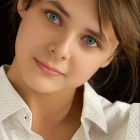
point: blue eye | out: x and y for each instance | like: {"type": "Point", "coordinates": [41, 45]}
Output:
{"type": "Point", "coordinates": [90, 42]}
{"type": "Point", "coordinates": [53, 17]}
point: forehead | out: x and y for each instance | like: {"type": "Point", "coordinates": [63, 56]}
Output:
{"type": "Point", "coordinates": [79, 2]}
{"type": "Point", "coordinates": [88, 6]}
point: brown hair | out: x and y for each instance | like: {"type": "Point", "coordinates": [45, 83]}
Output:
{"type": "Point", "coordinates": [125, 18]}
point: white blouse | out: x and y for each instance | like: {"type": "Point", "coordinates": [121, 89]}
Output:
{"type": "Point", "coordinates": [100, 119]}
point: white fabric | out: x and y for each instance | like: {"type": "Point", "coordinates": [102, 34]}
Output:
{"type": "Point", "coordinates": [100, 119]}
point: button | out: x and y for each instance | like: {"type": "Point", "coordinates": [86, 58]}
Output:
{"type": "Point", "coordinates": [25, 118]}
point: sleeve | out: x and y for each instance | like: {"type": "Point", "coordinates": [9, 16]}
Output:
{"type": "Point", "coordinates": [133, 127]}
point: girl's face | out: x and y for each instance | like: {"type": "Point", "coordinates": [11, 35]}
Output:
{"type": "Point", "coordinates": [62, 34]}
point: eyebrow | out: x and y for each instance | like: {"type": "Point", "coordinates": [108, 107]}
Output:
{"type": "Point", "coordinates": [60, 7]}
{"type": "Point", "coordinates": [98, 35]}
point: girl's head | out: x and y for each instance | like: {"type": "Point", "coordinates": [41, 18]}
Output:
{"type": "Point", "coordinates": [77, 37]}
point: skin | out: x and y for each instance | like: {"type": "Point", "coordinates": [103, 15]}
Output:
{"type": "Point", "coordinates": [54, 100]}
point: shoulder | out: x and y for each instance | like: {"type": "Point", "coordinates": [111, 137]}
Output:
{"type": "Point", "coordinates": [120, 108]}
{"type": "Point", "coordinates": [121, 112]}
{"type": "Point", "coordinates": [122, 120]}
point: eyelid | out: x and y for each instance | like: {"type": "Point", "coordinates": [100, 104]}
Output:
{"type": "Point", "coordinates": [98, 44]}
{"type": "Point", "coordinates": [53, 12]}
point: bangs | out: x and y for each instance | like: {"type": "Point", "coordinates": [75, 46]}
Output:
{"type": "Point", "coordinates": [103, 17]}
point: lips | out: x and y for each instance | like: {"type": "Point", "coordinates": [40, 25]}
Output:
{"type": "Point", "coordinates": [49, 67]}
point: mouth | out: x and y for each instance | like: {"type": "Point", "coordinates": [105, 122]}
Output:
{"type": "Point", "coordinates": [48, 69]}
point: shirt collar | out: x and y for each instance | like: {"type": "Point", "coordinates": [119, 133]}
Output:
{"type": "Point", "coordinates": [92, 106]}
{"type": "Point", "coordinates": [93, 109]}
{"type": "Point", "coordinates": [8, 96]}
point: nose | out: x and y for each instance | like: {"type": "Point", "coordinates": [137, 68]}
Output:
{"type": "Point", "coordinates": [61, 47]}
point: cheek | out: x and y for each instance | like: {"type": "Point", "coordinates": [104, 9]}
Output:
{"type": "Point", "coordinates": [30, 36]}
{"type": "Point", "coordinates": [85, 68]}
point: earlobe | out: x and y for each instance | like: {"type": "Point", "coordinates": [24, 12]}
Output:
{"type": "Point", "coordinates": [107, 62]}
{"type": "Point", "coordinates": [20, 8]}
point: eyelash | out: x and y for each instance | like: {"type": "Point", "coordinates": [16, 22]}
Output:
{"type": "Point", "coordinates": [50, 11]}
{"type": "Point", "coordinates": [97, 42]}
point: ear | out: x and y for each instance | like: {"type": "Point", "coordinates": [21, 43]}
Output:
{"type": "Point", "coordinates": [108, 61]}
{"type": "Point", "coordinates": [21, 8]}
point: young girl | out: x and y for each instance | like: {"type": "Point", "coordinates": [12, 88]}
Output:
{"type": "Point", "coordinates": [60, 45]}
